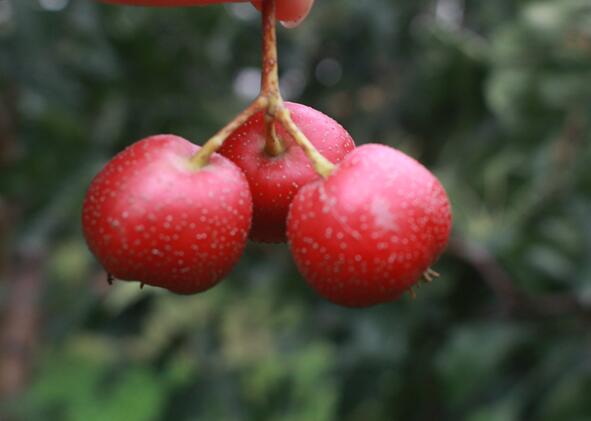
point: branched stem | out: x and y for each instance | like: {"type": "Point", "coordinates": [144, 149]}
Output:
{"type": "Point", "coordinates": [271, 102]}
{"type": "Point", "coordinates": [322, 165]}
{"type": "Point", "coordinates": [201, 158]}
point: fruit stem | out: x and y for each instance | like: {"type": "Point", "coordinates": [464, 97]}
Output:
{"type": "Point", "coordinates": [201, 158]}
{"type": "Point", "coordinates": [276, 110]}
{"type": "Point", "coordinates": [322, 165]}
{"type": "Point", "coordinates": [271, 102]}
{"type": "Point", "coordinates": [270, 78]}
{"type": "Point", "coordinates": [273, 144]}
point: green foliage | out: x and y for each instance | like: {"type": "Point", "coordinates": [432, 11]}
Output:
{"type": "Point", "coordinates": [81, 384]}
{"type": "Point", "coordinates": [495, 99]}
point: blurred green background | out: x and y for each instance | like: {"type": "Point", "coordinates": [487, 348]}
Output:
{"type": "Point", "coordinates": [493, 96]}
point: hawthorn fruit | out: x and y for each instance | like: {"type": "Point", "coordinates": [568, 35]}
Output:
{"type": "Point", "coordinates": [291, 11]}
{"type": "Point", "coordinates": [368, 232]}
{"type": "Point", "coordinates": [274, 180]}
{"type": "Point", "coordinates": [151, 216]}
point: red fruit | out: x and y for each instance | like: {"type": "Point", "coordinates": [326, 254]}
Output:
{"type": "Point", "coordinates": [368, 232]}
{"type": "Point", "coordinates": [274, 181]}
{"type": "Point", "coordinates": [287, 10]}
{"type": "Point", "coordinates": [168, 3]}
{"type": "Point", "coordinates": [292, 11]}
{"type": "Point", "coordinates": [149, 216]}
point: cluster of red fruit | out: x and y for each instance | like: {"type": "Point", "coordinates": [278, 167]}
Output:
{"type": "Point", "coordinates": [364, 224]}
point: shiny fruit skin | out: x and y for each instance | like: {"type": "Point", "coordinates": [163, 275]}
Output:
{"type": "Point", "coordinates": [274, 181]}
{"type": "Point", "coordinates": [368, 232]}
{"type": "Point", "coordinates": [149, 217]}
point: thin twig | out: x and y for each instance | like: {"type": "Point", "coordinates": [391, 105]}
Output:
{"type": "Point", "coordinates": [20, 324]}
{"type": "Point", "coordinates": [270, 79]}
{"type": "Point", "coordinates": [516, 301]}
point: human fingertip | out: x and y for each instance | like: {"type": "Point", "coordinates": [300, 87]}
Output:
{"type": "Point", "coordinates": [294, 12]}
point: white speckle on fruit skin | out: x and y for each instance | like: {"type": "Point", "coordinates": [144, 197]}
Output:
{"type": "Point", "coordinates": [383, 218]}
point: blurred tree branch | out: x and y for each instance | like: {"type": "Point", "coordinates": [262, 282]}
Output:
{"type": "Point", "coordinates": [515, 301]}
{"type": "Point", "coordinates": [8, 117]}
{"type": "Point", "coordinates": [20, 322]}
{"type": "Point", "coordinates": [20, 271]}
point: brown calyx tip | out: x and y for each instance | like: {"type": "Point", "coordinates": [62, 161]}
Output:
{"type": "Point", "coordinates": [429, 276]}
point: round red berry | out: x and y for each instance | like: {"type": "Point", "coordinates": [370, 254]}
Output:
{"type": "Point", "coordinates": [368, 232]}
{"type": "Point", "coordinates": [150, 216]}
{"type": "Point", "coordinates": [274, 180]}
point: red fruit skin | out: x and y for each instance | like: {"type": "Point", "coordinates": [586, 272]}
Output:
{"type": "Point", "coordinates": [291, 11]}
{"type": "Point", "coordinates": [149, 217]}
{"type": "Point", "coordinates": [274, 181]}
{"type": "Point", "coordinates": [368, 232]}
{"type": "Point", "coordinates": [168, 3]}
{"type": "Point", "coordinates": [287, 10]}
